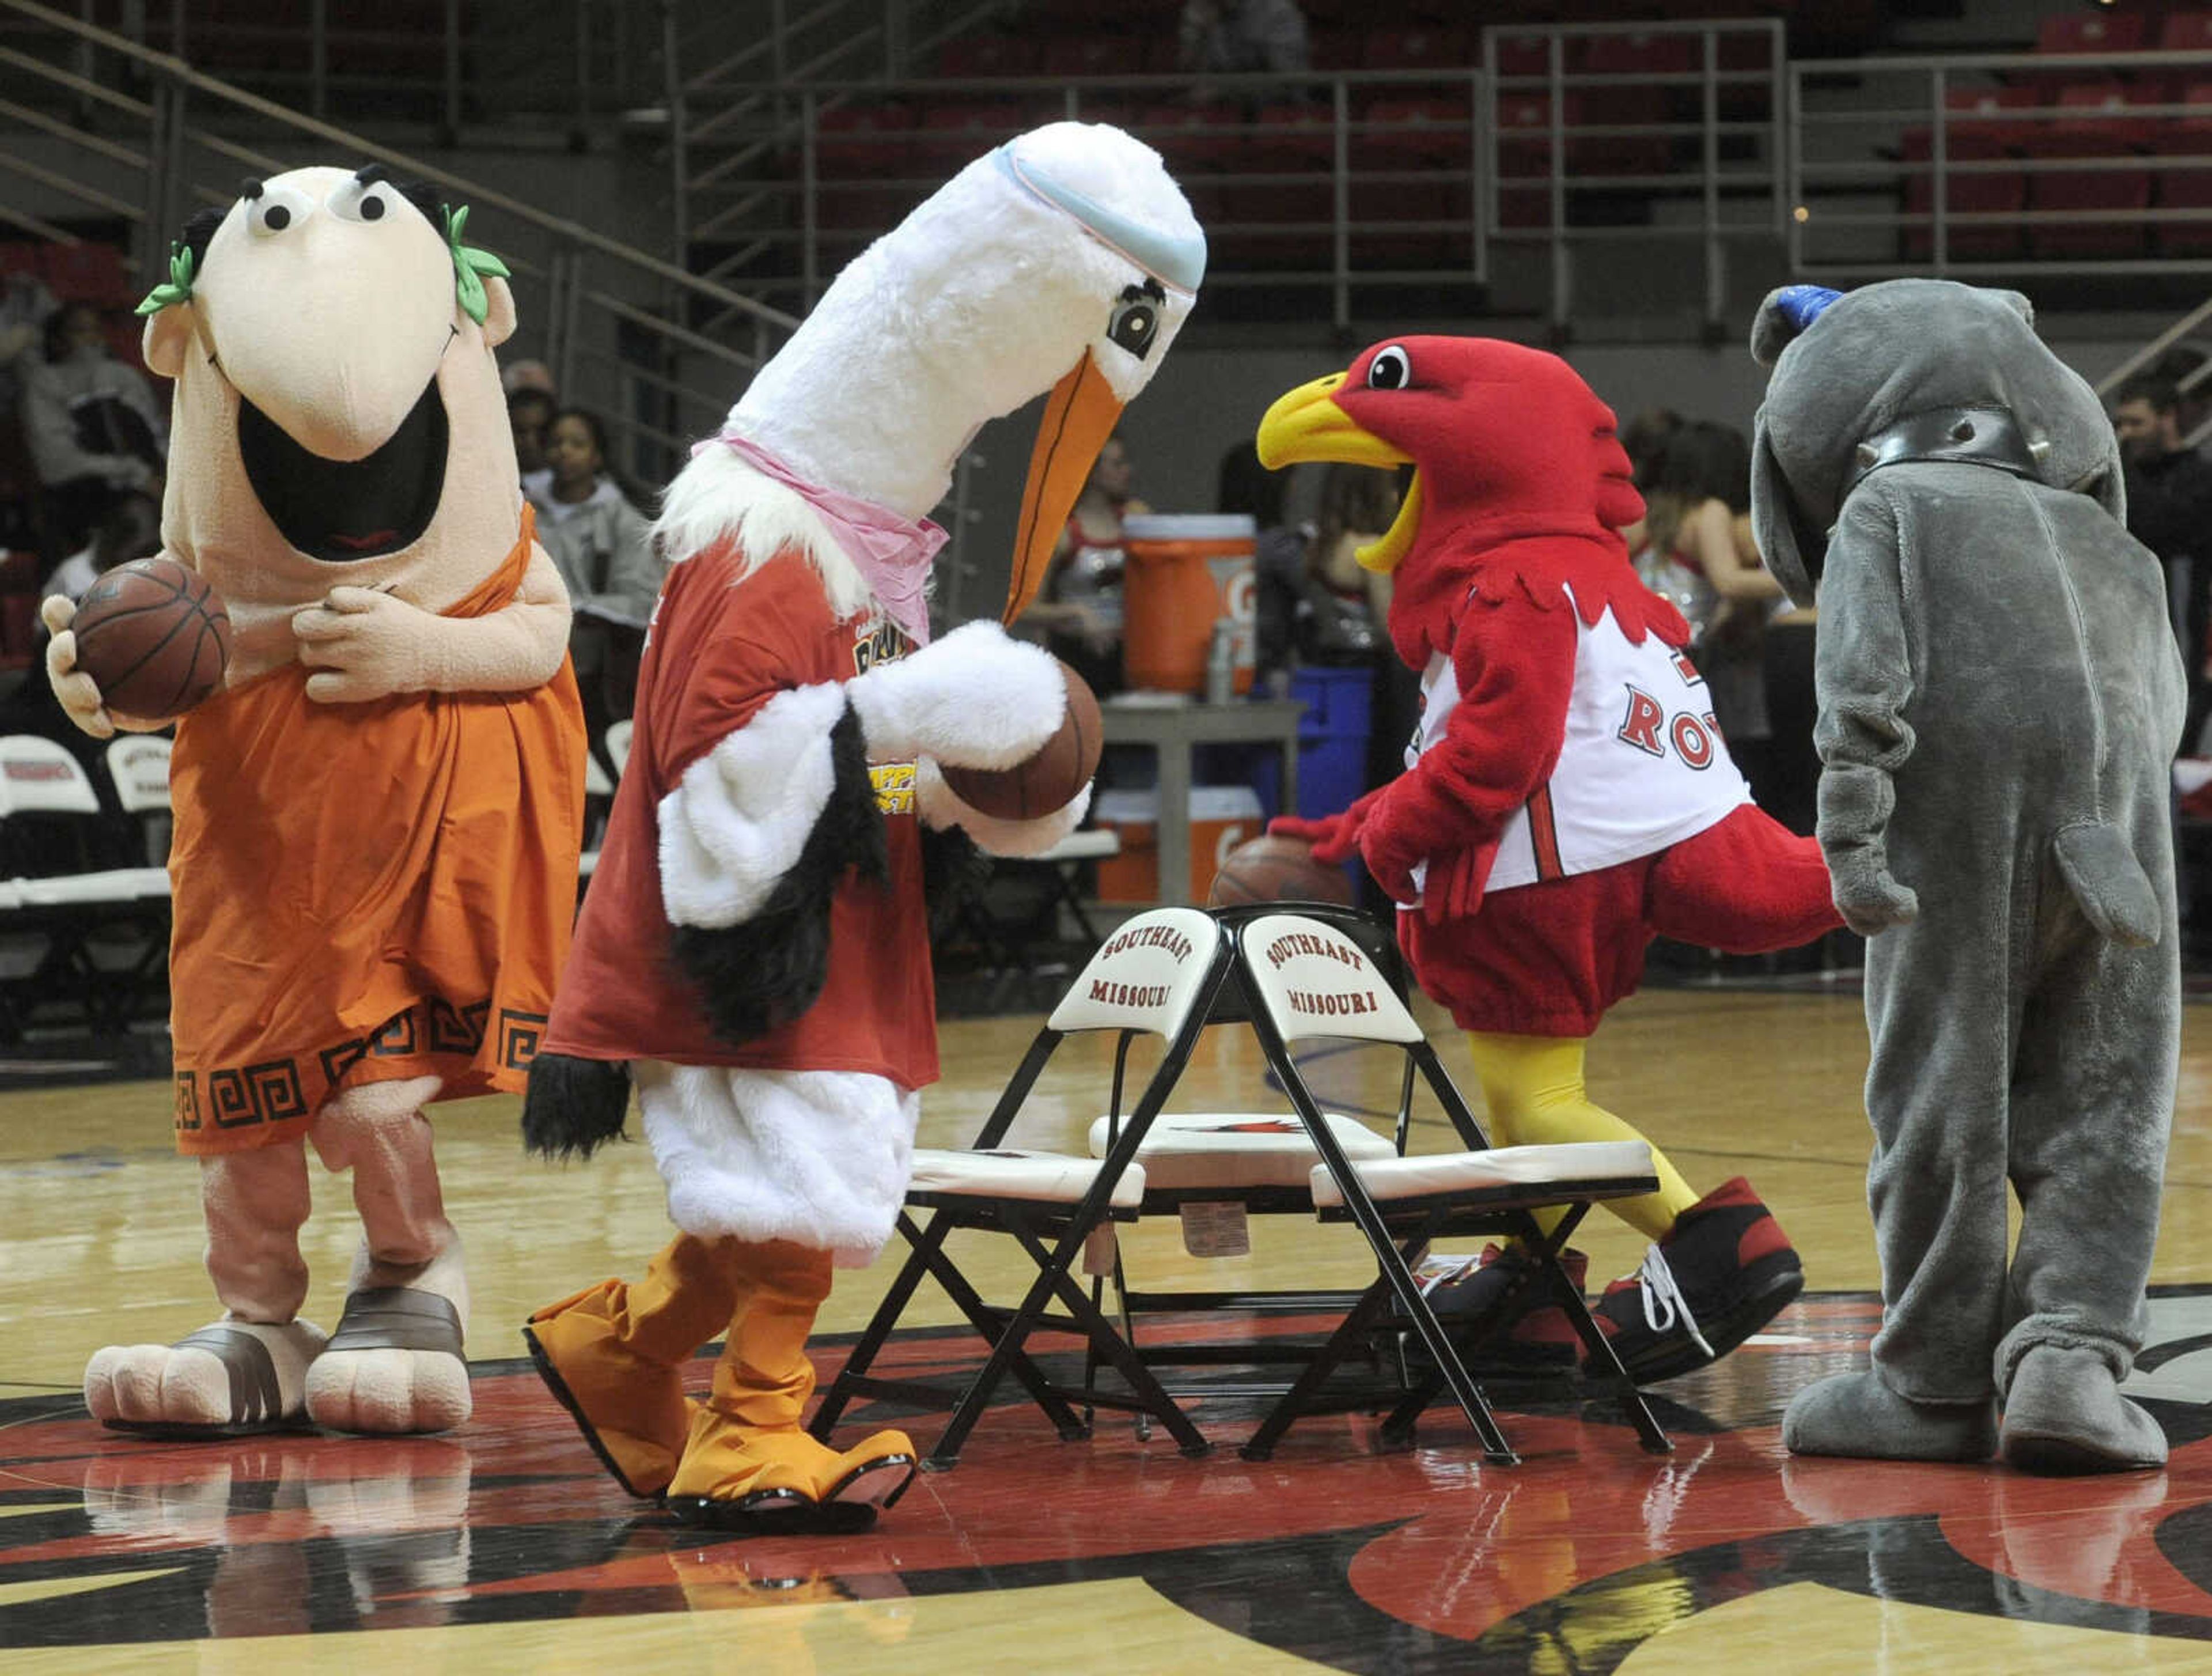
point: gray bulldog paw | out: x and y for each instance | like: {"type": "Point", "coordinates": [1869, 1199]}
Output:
{"type": "Point", "coordinates": [1856, 1415]}
{"type": "Point", "coordinates": [2064, 1414]}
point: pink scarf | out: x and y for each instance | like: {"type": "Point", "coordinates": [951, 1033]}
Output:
{"type": "Point", "coordinates": [892, 554]}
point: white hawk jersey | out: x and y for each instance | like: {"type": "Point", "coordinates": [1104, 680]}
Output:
{"type": "Point", "coordinates": [1643, 766]}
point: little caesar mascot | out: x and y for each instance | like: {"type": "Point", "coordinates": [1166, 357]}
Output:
{"type": "Point", "coordinates": [377, 820]}
{"type": "Point", "coordinates": [755, 947]}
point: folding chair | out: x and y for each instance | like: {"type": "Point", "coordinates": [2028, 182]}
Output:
{"type": "Point", "coordinates": [1010, 948]}
{"type": "Point", "coordinates": [1158, 975]}
{"type": "Point", "coordinates": [1307, 980]}
{"type": "Point", "coordinates": [1259, 1162]}
{"type": "Point", "coordinates": [138, 768]}
{"type": "Point", "coordinates": [42, 785]}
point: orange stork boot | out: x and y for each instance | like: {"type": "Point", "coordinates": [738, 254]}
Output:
{"type": "Point", "coordinates": [614, 1352]}
{"type": "Point", "coordinates": [748, 1462]}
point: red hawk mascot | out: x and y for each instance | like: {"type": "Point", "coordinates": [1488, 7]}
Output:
{"type": "Point", "coordinates": [1568, 796]}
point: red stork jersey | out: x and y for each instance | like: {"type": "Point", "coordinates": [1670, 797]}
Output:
{"type": "Point", "coordinates": [1641, 767]}
{"type": "Point", "coordinates": [720, 647]}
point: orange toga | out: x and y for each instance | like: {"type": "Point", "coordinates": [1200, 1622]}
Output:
{"type": "Point", "coordinates": [366, 891]}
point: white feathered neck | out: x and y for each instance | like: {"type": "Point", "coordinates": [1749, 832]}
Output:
{"type": "Point", "coordinates": [718, 497]}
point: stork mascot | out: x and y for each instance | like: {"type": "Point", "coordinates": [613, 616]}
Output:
{"type": "Point", "coordinates": [753, 955]}
{"type": "Point", "coordinates": [1567, 796]}
{"type": "Point", "coordinates": [374, 868]}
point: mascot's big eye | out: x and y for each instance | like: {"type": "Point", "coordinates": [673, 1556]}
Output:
{"type": "Point", "coordinates": [1391, 370]}
{"type": "Point", "coordinates": [358, 200]}
{"type": "Point", "coordinates": [1135, 320]}
{"type": "Point", "coordinates": [272, 207]}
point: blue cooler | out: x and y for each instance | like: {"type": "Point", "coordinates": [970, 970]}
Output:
{"type": "Point", "coordinates": [1331, 743]}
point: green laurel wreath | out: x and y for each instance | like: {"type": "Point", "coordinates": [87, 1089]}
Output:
{"type": "Point", "coordinates": [179, 286]}
{"type": "Point", "coordinates": [470, 266]}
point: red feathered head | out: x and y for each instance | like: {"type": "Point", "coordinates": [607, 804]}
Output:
{"type": "Point", "coordinates": [1505, 442]}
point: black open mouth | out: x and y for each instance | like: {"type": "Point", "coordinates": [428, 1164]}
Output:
{"type": "Point", "coordinates": [341, 510]}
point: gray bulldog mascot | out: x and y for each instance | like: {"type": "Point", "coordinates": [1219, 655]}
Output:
{"type": "Point", "coordinates": [2000, 700]}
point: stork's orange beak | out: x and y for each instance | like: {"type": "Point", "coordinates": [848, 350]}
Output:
{"type": "Point", "coordinates": [1079, 415]}
{"type": "Point", "coordinates": [1308, 424]}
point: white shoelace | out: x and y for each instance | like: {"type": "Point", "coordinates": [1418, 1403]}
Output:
{"type": "Point", "coordinates": [1664, 1305]}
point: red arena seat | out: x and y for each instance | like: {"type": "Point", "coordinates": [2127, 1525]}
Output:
{"type": "Point", "coordinates": [2113, 31]}
{"type": "Point", "coordinates": [977, 56]}
{"type": "Point", "coordinates": [2115, 197]}
{"type": "Point", "coordinates": [1984, 192]}
{"type": "Point", "coordinates": [89, 273]}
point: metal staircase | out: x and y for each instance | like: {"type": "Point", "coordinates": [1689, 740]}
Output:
{"type": "Point", "coordinates": [130, 153]}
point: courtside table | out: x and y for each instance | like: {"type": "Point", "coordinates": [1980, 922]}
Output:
{"type": "Point", "coordinates": [1172, 726]}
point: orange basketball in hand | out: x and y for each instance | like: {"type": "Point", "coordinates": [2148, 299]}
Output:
{"type": "Point", "coordinates": [1050, 779]}
{"type": "Point", "coordinates": [154, 638]}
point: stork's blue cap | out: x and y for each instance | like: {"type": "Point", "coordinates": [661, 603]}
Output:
{"type": "Point", "coordinates": [1803, 304]}
{"type": "Point", "coordinates": [1172, 259]}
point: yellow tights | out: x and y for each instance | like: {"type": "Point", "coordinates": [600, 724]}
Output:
{"type": "Point", "coordinates": [1533, 1087]}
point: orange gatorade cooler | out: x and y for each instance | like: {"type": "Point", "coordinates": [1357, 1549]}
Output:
{"type": "Point", "coordinates": [1221, 818]}
{"type": "Point", "coordinates": [1183, 572]}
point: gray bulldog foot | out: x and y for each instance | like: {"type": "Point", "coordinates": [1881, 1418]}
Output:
{"type": "Point", "coordinates": [2064, 1414]}
{"type": "Point", "coordinates": [1856, 1415]}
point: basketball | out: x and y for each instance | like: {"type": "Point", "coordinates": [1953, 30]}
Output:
{"type": "Point", "coordinates": [154, 638]}
{"type": "Point", "coordinates": [1046, 781]}
{"type": "Point", "coordinates": [1276, 869]}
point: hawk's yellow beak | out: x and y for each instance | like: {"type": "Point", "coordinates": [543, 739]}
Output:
{"type": "Point", "coordinates": [1308, 425]}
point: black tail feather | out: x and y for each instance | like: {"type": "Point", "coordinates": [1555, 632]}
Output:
{"type": "Point", "coordinates": [574, 1106]}
{"type": "Point", "coordinates": [757, 975]}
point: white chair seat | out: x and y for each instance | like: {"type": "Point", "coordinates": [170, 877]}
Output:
{"type": "Point", "coordinates": [1231, 1149]}
{"type": "Point", "coordinates": [1418, 1177]}
{"type": "Point", "coordinates": [78, 890]}
{"type": "Point", "coordinates": [586, 862]}
{"type": "Point", "coordinates": [1051, 1177]}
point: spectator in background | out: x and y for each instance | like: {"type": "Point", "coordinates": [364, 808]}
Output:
{"type": "Point", "coordinates": [530, 411]}
{"type": "Point", "coordinates": [95, 431]}
{"type": "Point", "coordinates": [2182, 363]}
{"type": "Point", "coordinates": [2169, 511]}
{"type": "Point", "coordinates": [1079, 607]}
{"type": "Point", "coordinates": [1241, 38]}
{"type": "Point", "coordinates": [1643, 439]}
{"type": "Point", "coordinates": [1698, 517]}
{"type": "Point", "coordinates": [1342, 608]}
{"type": "Point", "coordinates": [526, 374]}
{"type": "Point", "coordinates": [132, 529]}
{"type": "Point", "coordinates": [1343, 612]}
{"type": "Point", "coordinates": [603, 546]}
{"type": "Point", "coordinates": [25, 305]}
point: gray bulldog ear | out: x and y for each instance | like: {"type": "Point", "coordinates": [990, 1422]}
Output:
{"type": "Point", "coordinates": [1775, 523]}
{"type": "Point", "coordinates": [1787, 311]}
{"type": "Point", "coordinates": [2020, 305]}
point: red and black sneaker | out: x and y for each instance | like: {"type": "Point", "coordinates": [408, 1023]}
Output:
{"type": "Point", "coordinates": [1724, 1271]}
{"type": "Point", "coordinates": [1533, 1336]}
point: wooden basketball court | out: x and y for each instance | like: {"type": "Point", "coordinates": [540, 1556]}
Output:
{"type": "Point", "coordinates": [503, 1546]}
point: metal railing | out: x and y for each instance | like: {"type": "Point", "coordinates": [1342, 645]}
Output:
{"type": "Point", "coordinates": [1732, 72]}
{"type": "Point", "coordinates": [604, 316]}
{"type": "Point", "coordinates": [1390, 178]}
{"type": "Point", "coordinates": [1930, 165]}
{"type": "Point", "coordinates": [729, 108]}
{"type": "Point", "coordinates": [575, 59]}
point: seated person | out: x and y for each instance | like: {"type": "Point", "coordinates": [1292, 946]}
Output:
{"type": "Point", "coordinates": [95, 431]}
{"type": "Point", "coordinates": [530, 411]}
{"type": "Point", "coordinates": [132, 529]}
{"type": "Point", "coordinates": [603, 546]}
{"type": "Point", "coordinates": [1078, 609]}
